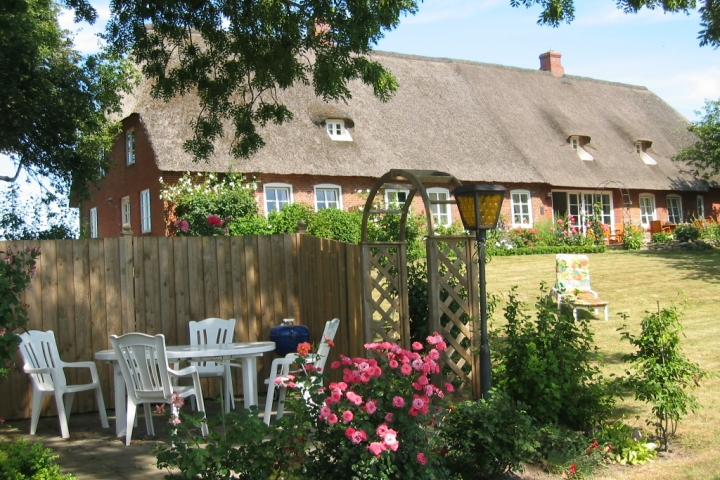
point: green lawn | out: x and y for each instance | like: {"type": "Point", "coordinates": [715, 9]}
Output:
{"type": "Point", "coordinates": [632, 283]}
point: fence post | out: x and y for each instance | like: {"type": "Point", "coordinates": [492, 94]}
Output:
{"type": "Point", "coordinates": [127, 280]}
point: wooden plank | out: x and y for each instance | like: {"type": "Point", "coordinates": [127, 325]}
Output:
{"type": "Point", "coordinates": [127, 283]}
{"type": "Point", "coordinates": [195, 279]}
{"type": "Point", "coordinates": [168, 323]}
{"type": "Point", "coordinates": [151, 276]}
{"type": "Point", "coordinates": [182, 288]}
{"type": "Point", "coordinates": [253, 287]}
{"type": "Point", "coordinates": [224, 278]}
{"type": "Point", "coordinates": [98, 312]}
{"type": "Point", "coordinates": [113, 308]}
{"type": "Point", "coordinates": [83, 319]}
{"type": "Point", "coordinates": [210, 277]}
{"type": "Point", "coordinates": [65, 334]}
{"type": "Point", "coordinates": [140, 287]}
{"type": "Point", "coordinates": [239, 286]}
{"type": "Point", "coordinates": [267, 314]}
{"type": "Point", "coordinates": [289, 276]}
{"type": "Point", "coordinates": [275, 283]}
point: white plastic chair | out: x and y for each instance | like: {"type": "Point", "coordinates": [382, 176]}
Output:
{"type": "Point", "coordinates": [46, 370]}
{"type": "Point", "coordinates": [281, 368]}
{"type": "Point", "coordinates": [215, 331]}
{"type": "Point", "coordinates": [144, 366]}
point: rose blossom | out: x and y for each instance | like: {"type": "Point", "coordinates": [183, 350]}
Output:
{"type": "Point", "coordinates": [406, 369]}
{"type": "Point", "coordinates": [332, 419]}
{"type": "Point", "coordinates": [303, 349]}
{"type": "Point", "coordinates": [393, 363]}
{"type": "Point", "coordinates": [421, 458]}
{"type": "Point", "coordinates": [358, 436]}
{"type": "Point", "coordinates": [376, 448]}
{"type": "Point", "coordinates": [417, 346]}
{"type": "Point", "coordinates": [371, 407]}
{"type": "Point", "coordinates": [398, 402]}
{"type": "Point", "coordinates": [347, 416]}
{"type": "Point", "coordinates": [389, 417]}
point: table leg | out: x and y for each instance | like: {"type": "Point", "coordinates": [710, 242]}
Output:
{"type": "Point", "coordinates": [249, 374]}
{"type": "Point", "coordinates": [120, 401]}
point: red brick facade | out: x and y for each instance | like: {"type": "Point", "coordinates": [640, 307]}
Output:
{"type": "Point", "coordinates": [124, 180]}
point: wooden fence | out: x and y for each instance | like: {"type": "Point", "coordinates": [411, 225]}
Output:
{"type": "Point", "coordinates": [86, 290]}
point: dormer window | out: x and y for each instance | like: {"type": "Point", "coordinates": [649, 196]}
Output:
{"type": "Point", "coordinates": [641, 147]}
{"type": "Point", "coordinates": [578, 143]}
{"type": "Point", "coordinates": [337, 131]}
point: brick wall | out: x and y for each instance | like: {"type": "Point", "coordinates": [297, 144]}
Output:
{"type": "Point", "coordinates": [129, 180]}
{"type": "Point", "coordinates": [124, 180]}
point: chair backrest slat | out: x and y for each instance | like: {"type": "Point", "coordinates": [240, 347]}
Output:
{"type": "Point", "coordinates": [39, 350]}
{"type": "Point", "coordinates": [143, 362]}
{"type": "Point", "coordinates": [211, 331]}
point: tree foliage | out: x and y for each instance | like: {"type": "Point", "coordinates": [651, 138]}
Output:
{"type": "Point", "coordinates": [236, 55]}
{"type": "Point", "coordinates": [703, 157]}
{"type": "Point", "coordinates": [56, 102]}
{"type": "Point", "coordinates": [42, 217]}
{"type": "Point", "coordinates": [555, 12]}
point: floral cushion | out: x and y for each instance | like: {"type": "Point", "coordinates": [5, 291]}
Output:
{"type": "Point", "coordinates": [572, 272]}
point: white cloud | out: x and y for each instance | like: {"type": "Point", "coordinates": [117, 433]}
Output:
{"type": "Point", "coordinates": [85, 36]}
{"type": "Point", "coordinates": [607, 15]}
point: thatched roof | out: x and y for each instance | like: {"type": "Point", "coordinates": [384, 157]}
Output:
{"type": "Point", "coordinates": [479, 122]}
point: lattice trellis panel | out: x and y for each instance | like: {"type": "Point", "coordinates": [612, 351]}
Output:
{"type": "Point", "coordinates": [386, 293]}
{"type": "Point", "coordinates": [453, 304]}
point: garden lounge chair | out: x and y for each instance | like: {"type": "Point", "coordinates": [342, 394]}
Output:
{"type": "Point", "coordinates": [47, 372]}
{"type": "Point", "coordinates": [281, 368]}
{"type": "Point", "coordinates": [144, 366]}
{"type": "Point", "coordinates": [214, 331]}
{"type": "Point", "coordinates": [572, 284]}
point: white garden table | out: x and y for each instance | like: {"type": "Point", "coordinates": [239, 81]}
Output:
{"type": "Point", "coordinates": [245, 352]}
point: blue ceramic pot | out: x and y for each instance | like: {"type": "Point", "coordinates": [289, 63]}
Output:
{"type": "Point", "coordinates": [288, 336]}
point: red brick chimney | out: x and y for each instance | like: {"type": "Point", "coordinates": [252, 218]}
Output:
{"type": "Point", "coordinates": [550, 62]}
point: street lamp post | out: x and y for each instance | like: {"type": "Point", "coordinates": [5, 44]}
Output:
{"type": "Point", "coordinates": [479, 207]}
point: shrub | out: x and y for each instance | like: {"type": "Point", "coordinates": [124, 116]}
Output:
{"type": "Point", "coordinates": [239, 445]}
{"type": "Point", "coordinates": [17, 269]}
{"type": "Point", "coordinates": [249, 225]}
{"type": "Point", "coordinates": [686, 232]}
{"type": "Point", "coordinates": [711, 232]}
{"type": "Point", "coordinates": [624, 449]}
{"type": "Point", "coordinates": [547, 365]}
{"type": "Point", "coordinates": [22, 460]}
{"type": "Point", "coordinates": [386, 228]}
{"type": "Point", "coordinates": [336, 225]}
{"type": "Point", "coordinates": [286, 220]}
{"type": "Point", "coordinates": [378, 422]}
{"type": "Point", "coordinates": [485, 439]}
{"type": "Point", "coordinates": [632, 237]}
{"type": "Point", "coordinates": [661, 237]}
{"type": "Point", "coordinates": [197, 198]}
{"type": "Point", "coordinates": [663, 375]}
{"type": "Point", "coordinates": [494, 251]}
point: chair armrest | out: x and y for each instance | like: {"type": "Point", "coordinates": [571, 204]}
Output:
{"type": "Point", "coordinates": [183, 372]}
{"type": "Point", "coordinates": [88, 364]}
{"type": "Point", "coordinates": [30, 370]}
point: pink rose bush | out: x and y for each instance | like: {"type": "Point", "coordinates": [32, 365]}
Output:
{"type": "Point", "coordinates": [381, 416]}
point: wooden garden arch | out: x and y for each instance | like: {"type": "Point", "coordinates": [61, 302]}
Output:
{"type": "Point", "coordinates": [451, 271]}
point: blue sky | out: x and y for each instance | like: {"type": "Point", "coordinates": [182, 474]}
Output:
{"type": "Point", "coordinates": [659, 51]}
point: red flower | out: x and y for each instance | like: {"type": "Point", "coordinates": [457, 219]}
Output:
{"type": "Point", "coordinates": [572, 469]}
{"type": "Point", "coordinates": [214, 220]}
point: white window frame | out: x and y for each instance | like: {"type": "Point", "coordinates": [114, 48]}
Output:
{"type": "Point", "coordinates": [580, 206]}
{"type": "Point", "coordinates": [647, 216]}
{"type": "Point", "coordinates": [323, 188]}
{"type": "Point", "coordinates": [700, 207]}
{"type": "Point", "coordinates": [145, 219]}
{"type": "Point", "coordinates": [581, 152]}
{"type": "Point", "coordinates": [521, 208]}
{"type": "Point", "coordinates": [277, 186]}
{"type": "Point", "coordinates": [335, 128]}
{"type": "Point", "coordinates": [647, 159]}
{"type": "Point", "coordinates": [130, 147]}
{"type": "Point", "coordinates": [395, 203]}
{"type": "Point", "coordinates": [675, 212]}
{"type": "Point", "coordinates": [125, 210]}
{"type": "Point", "coordinates": [93, 223]}
{"type": "Point", "coordinates": [442, 213]}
